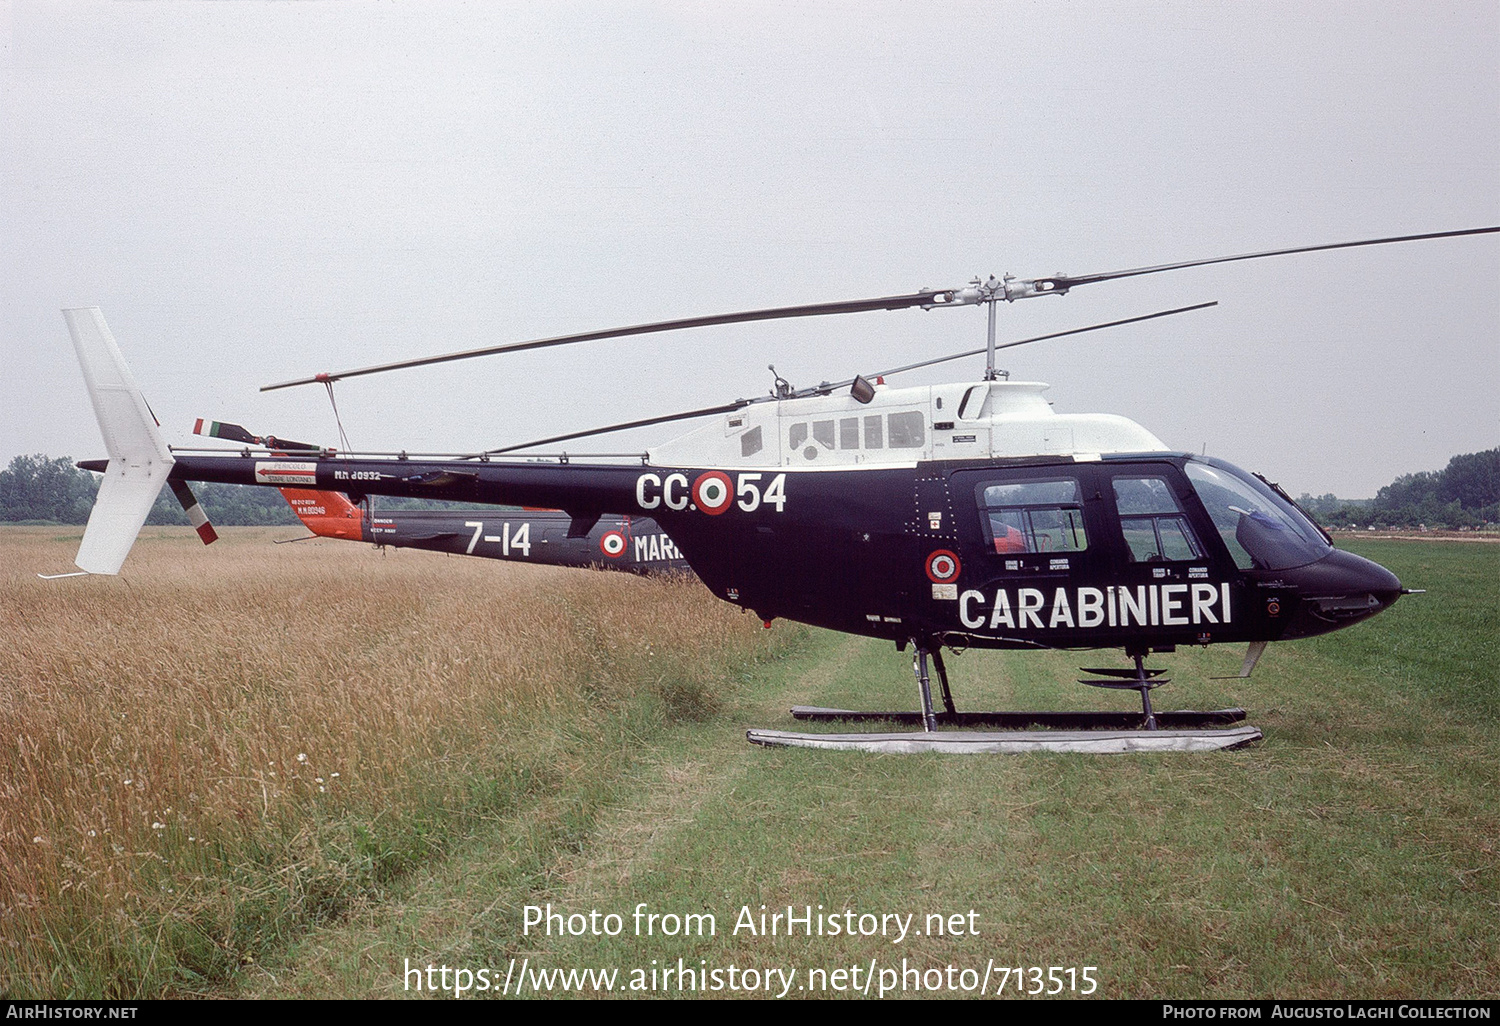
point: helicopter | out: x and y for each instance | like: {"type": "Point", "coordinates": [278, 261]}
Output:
{"type": "Point", "coordinates": [967, 515]}
{"type": "Point", "coordinates": [624, 543]}
{"type": "Point", "coordinates": [633, 544]}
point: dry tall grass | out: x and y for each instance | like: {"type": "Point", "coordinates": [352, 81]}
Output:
{"type": "Point", "coordinates": [223, 746]}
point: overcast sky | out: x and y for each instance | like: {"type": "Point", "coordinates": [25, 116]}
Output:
{"type": "Point", "coordinates": [255, 191]}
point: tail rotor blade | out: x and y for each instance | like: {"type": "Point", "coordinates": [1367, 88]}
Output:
{"type": "Point", "coordinates": [237, 433]}
{"type": "Point", "coordinates": [218, 429]}
{"type": "Point", "coordinates": [194, 511]}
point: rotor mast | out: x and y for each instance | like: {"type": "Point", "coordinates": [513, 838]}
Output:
{"type": "Point", "coordinates": [989, 358]}
{"type": "Point", "coordinates": [991, 291]}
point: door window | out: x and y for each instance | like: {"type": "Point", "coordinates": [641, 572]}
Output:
{"type": "Point", "coordinates": [1034, 516]}
{"type": "Point", "coordinates": [1155, 528]}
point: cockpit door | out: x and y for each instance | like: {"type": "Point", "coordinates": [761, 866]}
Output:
{"type": "Point", "coordinates": [1031, 536]}
{"type": "Point", "coordinates": [1172, 574]}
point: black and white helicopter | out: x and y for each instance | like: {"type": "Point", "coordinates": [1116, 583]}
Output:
{"type": "Point", "coordinates": [631, 544]}
{"type": "Point", "coordinates": [967, 515]}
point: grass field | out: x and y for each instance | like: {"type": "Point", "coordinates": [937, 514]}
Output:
{"type": "Point", "coordinates": [510, 736]}
{"type": "Point", "coordinates": [224, 747]}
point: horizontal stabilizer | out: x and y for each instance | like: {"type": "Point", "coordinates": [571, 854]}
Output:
{"type": "Point", "coordinates": [434, 536]}
{"type": "Point", "coordinates": [139, 460]}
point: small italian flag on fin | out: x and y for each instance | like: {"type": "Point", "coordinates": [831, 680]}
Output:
{"type": "Point", "coordinates": [195, 514]}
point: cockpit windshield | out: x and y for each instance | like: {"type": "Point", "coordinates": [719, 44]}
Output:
{"type": "Point", "coordinates": [1261, 529]}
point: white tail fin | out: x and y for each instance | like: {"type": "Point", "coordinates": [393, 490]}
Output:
{"type": "Point", "coordinates": [139, 460]}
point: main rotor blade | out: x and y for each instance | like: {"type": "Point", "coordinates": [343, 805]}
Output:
{"type": "Point", "coordinates": [989, 292]}
{"type": "Point", "coordinates": [938, 297]}
{"type": "Point", "coordinates": [1063, 282]}
{"type": "Point", "coordinates": [709, 411]}
{"type": "Point", "coordinates": [1035, 338]}
{"type": "Point", "coordinates": [740, 404]}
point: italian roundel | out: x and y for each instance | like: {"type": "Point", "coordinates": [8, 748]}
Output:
{"type": "Point", "coordinates": [942, 567]}
{"type": "Point", "coordinates": [713, 493]}
{"type": "Point", "coordinates": [612, 544]}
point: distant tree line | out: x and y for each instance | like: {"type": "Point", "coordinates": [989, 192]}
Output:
{"type": "Point", "coordinates": [1463, 495]}
{"type": "Point", "coordinates": [43, 490]}
{"type": "Point", "coordinates": [40, 489]}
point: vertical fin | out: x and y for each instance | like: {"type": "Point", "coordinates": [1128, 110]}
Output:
{"type": "Point", "coordinates": [139, 460]}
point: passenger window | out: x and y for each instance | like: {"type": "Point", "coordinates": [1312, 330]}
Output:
{"type": "Point", "coordinates": [849, 433]}
{"type": "Point", "coordinates": [1176, 539]}
{"type": "Point", "coordinates": [1152, 521]}
{"type": "Point", "coordinates": [750, 442]}
{"type": "Point", "coordinates": [906, 430]}
{"type": "Point", "coordinates": [1034, 516]}
{"type": "Point", "coordinates": [823, 433]}
{"type": "Point", "coordinates": [1141, 539]}
{"type": "Point", "coordinates": [1135, 495]}
{"type": "Point", "coordinates": [873, 434]}
{"type": "Point", "coordinates": [797, 436]}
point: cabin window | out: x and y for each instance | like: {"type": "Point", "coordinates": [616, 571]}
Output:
{"type": "Point", "coordinates": [906, 431]}
{"type": "Point", "coordinates": [750, 442]}
{"type": "Point", "coordinates": [874, 433]}
{"type": "Point", "coordinates": [849, 433]}
{"type": "Point", "coordinates": [822, 436]}
{"type": "Point", "coordinates": [1034, 516]}
{"type": "Point", "coordinates": [973, 402]}
{"type": "Point", "coordinates": [1259, 528]}
{"type": "Point", "coordinates": [1153, 522]}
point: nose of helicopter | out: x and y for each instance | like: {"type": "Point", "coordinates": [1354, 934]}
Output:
{"type": "Point", "coordinates": [1340, 589]}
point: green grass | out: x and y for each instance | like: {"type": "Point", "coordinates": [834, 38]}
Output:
{"type": "Point", "coordinates": [228, 748]}
{"type": "Point", "coordinates": [1353, 853]}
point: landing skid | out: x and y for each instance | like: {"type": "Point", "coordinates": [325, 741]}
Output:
{"type": "Point", "coordinates": [1182, 730]}
{"type": "Point", "coordinates": [1102, 742]}
{"type": "Point", "coordinates": [1180, 719]}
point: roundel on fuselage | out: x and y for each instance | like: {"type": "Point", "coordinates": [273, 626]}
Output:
{"type": "Point", "coordinates": [712, 492]}
{"type": "Point", "coordinates": [942, 567]}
